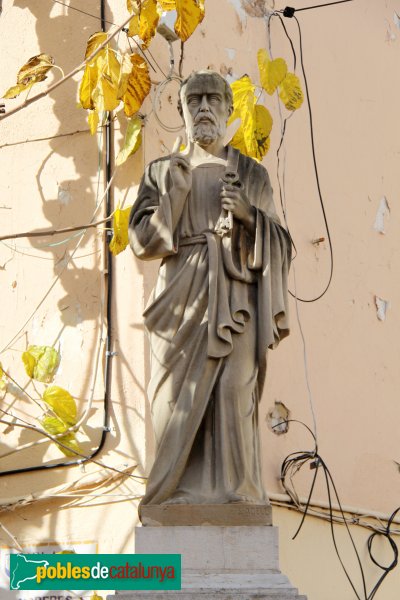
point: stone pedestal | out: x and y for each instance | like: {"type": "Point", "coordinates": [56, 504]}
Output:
{"type": "Point", "coordinates": [228, 563]}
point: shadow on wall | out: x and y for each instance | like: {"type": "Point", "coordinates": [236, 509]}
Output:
{"type": "Point", "coordinates": [64, 37]}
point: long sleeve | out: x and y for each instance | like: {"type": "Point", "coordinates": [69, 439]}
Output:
{"type": "Point", "coordinates": [151, 233]}
{"type": "Point", "coordinates": [271, 255]}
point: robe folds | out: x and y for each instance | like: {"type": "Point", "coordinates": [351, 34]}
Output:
{"type": "Point", "coordinates": [218, 305]}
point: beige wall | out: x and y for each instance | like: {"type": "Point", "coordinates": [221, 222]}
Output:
{"type": "Point", "coordinates": [351, 62]}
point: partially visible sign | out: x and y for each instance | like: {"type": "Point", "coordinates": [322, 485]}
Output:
{"type": "Point", "coordinates": [43, 548]}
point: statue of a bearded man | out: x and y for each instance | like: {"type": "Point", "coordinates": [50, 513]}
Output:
{"type": "Point", "coordinates": [219, 303]}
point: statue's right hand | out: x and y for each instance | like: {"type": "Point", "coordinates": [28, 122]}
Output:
{"type": "Point", "coordinates": [180, 171]}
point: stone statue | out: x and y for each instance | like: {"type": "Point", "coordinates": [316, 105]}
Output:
{"type": "Point", "coordinates": [219, 303]}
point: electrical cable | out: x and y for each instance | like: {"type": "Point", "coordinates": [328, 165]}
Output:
{"type": "Point", "coordinates": [85, 13]}
{"type": "Point", "coordinates": [291, 465]}
{"type": "Point", "coordinates": [140, 49]}
{"type": "Point", "coordinates": [160, 88]}
{"type": "Point", "coordinates": [309, 300]}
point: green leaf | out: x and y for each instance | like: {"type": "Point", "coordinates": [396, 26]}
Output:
{"type": "Point", "coordinates": [54, 426]}
{"type": "Point", "coordinates": [62, 403]}
{"type": "Point", "coordinates": [41, 363]}
{"type": "Point", "coordinates": [133, 140]}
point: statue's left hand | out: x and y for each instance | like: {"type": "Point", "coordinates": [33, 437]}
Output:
{"type": "Point", "coordinates": [234, 199]}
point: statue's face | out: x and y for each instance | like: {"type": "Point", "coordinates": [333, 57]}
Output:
{"type": "Point", "coordinates": [205, 109]}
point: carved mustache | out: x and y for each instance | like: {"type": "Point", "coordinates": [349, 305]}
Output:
{"type": "Point", "coordinates": [205, 115]}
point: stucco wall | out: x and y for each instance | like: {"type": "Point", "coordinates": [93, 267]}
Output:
{"type": "Point", "coordinates": [50, 179]}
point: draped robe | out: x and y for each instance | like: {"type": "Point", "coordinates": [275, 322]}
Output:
{"type": "Point", "coordinates": [218, 305]}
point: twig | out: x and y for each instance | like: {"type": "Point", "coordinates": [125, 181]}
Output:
{"type": "Point", "coordinates": [69, 75]}
{"type": "Point", "coordinates": [43, 139]}
{"type": "Point", "coordinates": [50, 232]}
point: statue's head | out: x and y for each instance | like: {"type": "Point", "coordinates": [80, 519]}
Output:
{"type": "Point", "coordinates": [205, 103]}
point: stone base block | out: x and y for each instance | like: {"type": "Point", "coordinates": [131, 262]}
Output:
{"type": "Point", "coordinates": [206, 514]}
{"type": "Point", "coordinates": [238, 594]}
{"type": "Point", "coordinates": [225, 563]}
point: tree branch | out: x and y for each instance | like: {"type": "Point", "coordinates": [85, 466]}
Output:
{"type": "Point", "coordinates": [44, 233]}
{"type": "Point", "coordinates": [68, 76]}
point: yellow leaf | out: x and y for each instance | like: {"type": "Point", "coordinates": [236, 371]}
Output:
{"type": "Point", "coordinates": [1, 370]}
{"type": "Point", "coordinates": [54, 426]}
{"type": "Point", "coordinates": [243, 97]}
{"type": "Point", "coordinates": [94, 42]}
{"type": "Point", "coordinates": [243, 107]}
{"type": "Point", "coordinates": [167, 4]}
{"type": "Point", "coordinates": [99, 82]}
{"type": "Point", "coordinates": [30, 73]}
{"type": "Point", "coordinates": [262, 130]}
{"type": "Point", "coordinates": [120, 238]}
{"type": "Point", "coordinates": [272, 72]}
{"type": "Point", "coordinates": [108, 64]}
{"type": "Point", "coordinates": [125, 71]}
{"type": "Point", "coordinates": [35, 69]}
{"type": "Point", "coordinates": [139, 85]}
{"type": "Point", "coordinates": [132, 6]}
{"type": "Point", "coordinates": [145, 23]}
{"type": "Point", "coordinates": [96, 597]}
{"type": "Point", "coordinates": [62, 403]}
{"type": "Point", "coordinates": [41, 363]}
{"type": "Point", "coordinates": [104, 95]}
{"type": "Point", "coordinates": [291, 93]}
{"type": "Point", "coordinates": [190, 14]}
{"type": "Point", "coordinates": [93, 120]}
{"type": "Point", "coordinates": [256, 145]}
{"type": "Point", "coordinates": [15, 90]}
{"type": "Point", "coordinates": [133, 140]}
{"type": "Point", "coordinates": [88, 85]}
{"type": "Point", "coordinates": [238, 141]}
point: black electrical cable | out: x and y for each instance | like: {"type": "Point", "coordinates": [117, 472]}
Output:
{"type": "Point", "coordinates": [322, 5]}
{"type": "Point", "coordinates": [393, 564]}
{"type": "Point", "coordinates": [316, 174]}
{"type": "Point", "coordinates": [291, 465]}
{"type": "Point", "coordinates": [289, 10]}
{"type": "Point", "coordinates": [309, 300]}
{"type": "Point", "coordinates": [108, 347]}
{"type": "Point", "coordinates": [85, 13]}
{"type": "Point", "coordinates": [289, 38]}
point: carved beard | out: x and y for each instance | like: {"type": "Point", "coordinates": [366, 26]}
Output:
{"type": "Point", "coordinates": [205, 133]}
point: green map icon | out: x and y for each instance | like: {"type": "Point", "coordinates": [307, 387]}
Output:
{"type": "Point", "coordinates": [24, 569]}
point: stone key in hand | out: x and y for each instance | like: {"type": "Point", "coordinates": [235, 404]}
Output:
{"type": "Point", "coordinates": [225, 221]}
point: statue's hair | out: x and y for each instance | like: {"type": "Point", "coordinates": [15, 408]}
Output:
{"type": "Point", "coordinates": [208, 73]}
